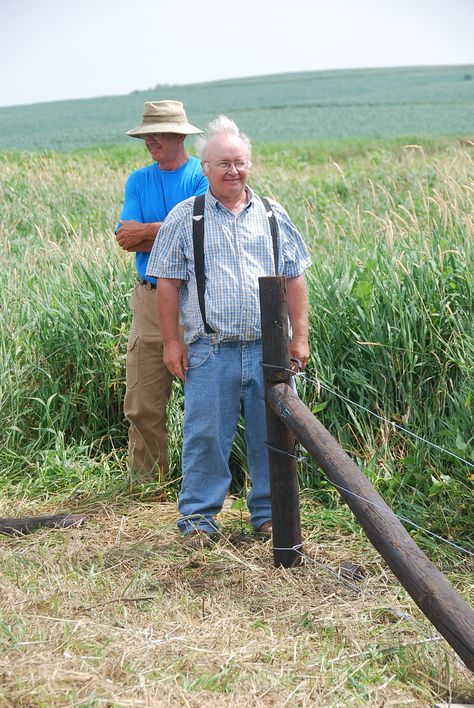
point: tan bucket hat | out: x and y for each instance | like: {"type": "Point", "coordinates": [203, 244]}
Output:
{"type": "Point", "coordinates": [163, 117]}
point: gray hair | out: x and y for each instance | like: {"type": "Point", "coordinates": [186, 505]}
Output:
{"type": "Point", "coordinates": [222, 125]}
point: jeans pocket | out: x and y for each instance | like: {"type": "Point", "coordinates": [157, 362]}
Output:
{"type": "Point", "coordinates": [198, 353]}
{"type": "Point", "coordinates": [133, 352]}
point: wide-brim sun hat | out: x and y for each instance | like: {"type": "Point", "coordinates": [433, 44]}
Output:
{"type": "Point", "coordinates": [163, 117]}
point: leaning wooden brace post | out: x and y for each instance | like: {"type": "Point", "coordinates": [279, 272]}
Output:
{"type": "Point", "coordinates": [429, 588]}
{"type": "Point", "coordinates": [27, 524]}
{"type": "Point", "coordinates": [283, 475]}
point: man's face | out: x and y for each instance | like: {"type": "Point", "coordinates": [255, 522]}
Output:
{"type": "Point", "coordinates": [164, 147]}
{"type": "Point", "coordinates": [227, 166]}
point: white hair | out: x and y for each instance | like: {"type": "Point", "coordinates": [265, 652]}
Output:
{"type": "Point", "coordinates": [222, 125]}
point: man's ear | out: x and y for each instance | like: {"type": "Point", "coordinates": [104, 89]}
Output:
{"type": "Point", "coordinates": [204, 166]}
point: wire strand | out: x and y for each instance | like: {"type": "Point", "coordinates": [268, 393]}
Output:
{"type": "Point", "coordinates": [406, 520]}
{"type": "Point", "coordinates": [374, 504]}
{"type": "Point", "coordinates": [319, 383]}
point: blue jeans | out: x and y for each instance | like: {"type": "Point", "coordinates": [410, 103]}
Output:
{"type": "Point", "coordinates": [222, 379]}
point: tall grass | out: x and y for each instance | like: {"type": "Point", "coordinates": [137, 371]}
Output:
{"type": "Point", "coordinates": [392, 298]}
{"type": "Point", "coordinates": [390, 230]}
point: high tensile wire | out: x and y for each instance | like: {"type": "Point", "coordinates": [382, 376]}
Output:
{"type": "Point", "coordinates": [318, 383]}
{"type": "Point", "coordinates": [399, 427]}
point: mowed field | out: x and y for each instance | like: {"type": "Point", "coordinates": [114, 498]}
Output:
{"type": "Point", "coordinates": [419, 101]}
{"type": "Point", "coordinates": [117, 612]}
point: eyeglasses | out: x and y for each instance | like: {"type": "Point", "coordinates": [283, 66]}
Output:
{"type": "Point", "coordinates": [225, 165]}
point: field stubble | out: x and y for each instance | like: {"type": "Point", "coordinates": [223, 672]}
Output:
{"type": "Point", "coordinates": [118, 613]}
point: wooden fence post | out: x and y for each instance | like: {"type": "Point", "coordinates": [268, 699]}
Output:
{"type": "Point", "coordinates": [27, 524]}
{"type": "Point", "coordinates": [283, 475]}
{"type": "Point", "coordinates": [428, 587]}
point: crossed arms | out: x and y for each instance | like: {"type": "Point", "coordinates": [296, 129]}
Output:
{"type": "Point", "coordinates": [134, 236]}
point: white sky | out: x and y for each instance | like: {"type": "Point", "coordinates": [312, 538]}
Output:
{"type": "Point", "coordinates": [58, 49]}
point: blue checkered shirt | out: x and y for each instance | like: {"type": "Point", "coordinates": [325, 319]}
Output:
{"type": "Point", "coordinates": [238, 250]}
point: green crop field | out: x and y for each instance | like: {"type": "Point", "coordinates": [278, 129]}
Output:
{"type": "Point", "coordinates": [117, 613]}
{"type": "Point", "coordinates": [371, 103]}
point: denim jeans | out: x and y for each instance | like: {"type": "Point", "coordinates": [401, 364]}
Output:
{"type": "Point", "coordinates": [222, 379]}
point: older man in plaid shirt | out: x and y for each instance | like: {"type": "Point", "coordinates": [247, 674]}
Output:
{"type": "Point", "coordinates": [221, 364]}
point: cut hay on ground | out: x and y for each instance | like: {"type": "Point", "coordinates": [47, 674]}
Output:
{"type": "Point", "coordinates": [117, 613]}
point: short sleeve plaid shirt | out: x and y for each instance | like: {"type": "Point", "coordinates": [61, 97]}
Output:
{"type": "Point", "coordinates": [237, 251]}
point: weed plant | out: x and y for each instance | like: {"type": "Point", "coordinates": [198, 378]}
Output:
{"type": "Point", "coordinates": [390, 229]}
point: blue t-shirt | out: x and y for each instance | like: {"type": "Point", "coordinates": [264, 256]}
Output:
{"type": "Point", "coordinates": [150, 193]}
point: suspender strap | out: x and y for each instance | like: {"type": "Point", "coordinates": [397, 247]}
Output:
{"type": "Point", "coordinates": [198, 246]}
{"type": "Point", "coordinates": [273, 229]}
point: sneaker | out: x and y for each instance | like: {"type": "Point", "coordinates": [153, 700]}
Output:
{"type": "Point", "coordinates": [198, 539]}
{"type": "Point", "coordinates": [266, 529]}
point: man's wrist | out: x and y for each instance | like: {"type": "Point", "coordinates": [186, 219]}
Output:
{"type": "Point", "coordinates": [170, 341]}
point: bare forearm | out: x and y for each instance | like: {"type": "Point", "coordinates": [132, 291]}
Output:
{"type": "Point", "coordinates": [142, 247]}
{"type": "Point", "coordinates": [149, 235]}
{"type": "Point", "coordinates": [297, 297]}
{"type": "Point", "coordinates": [134, 236]}
{"type": "Point", "coordinates": [167, 303]}
{"type": "Point", "coordinates": [148, 231]}
{"type": "Point", "coordinates": [175, 355]}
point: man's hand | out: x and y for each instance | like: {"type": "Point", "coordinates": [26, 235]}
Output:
{"type": "Point", "coordinates": [299, 349]}
{"type": "Point", "coordinates": [175, 358]}
{"type": "Point", "coordinates": [134, 236]}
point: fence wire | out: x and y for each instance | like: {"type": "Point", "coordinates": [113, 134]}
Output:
{"type": "Point", "coordinates": [401, 518]}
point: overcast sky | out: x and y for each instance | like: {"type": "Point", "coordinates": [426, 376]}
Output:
{"type": "Point", "coordinates": [59, 49]}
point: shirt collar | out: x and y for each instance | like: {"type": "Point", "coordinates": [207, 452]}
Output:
{"type": "Point", "coordinates": [213, 201]}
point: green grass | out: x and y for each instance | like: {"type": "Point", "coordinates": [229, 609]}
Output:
{"type": "Point", "coordinates": [116, 612]}
{"type": "Point", "coordinates": [392, 304]}
{"type": "Point", "coordinates": [374, 103]}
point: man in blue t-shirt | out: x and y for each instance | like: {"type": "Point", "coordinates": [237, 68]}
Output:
{"type": "Point", "coordinates": [150, 193]}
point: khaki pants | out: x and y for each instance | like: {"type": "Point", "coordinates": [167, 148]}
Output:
{"type": "Point", "coordinates": [148, 389]}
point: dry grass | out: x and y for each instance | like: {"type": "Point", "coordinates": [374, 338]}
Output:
{"type": "Point", "coordinates": [117, 613]}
